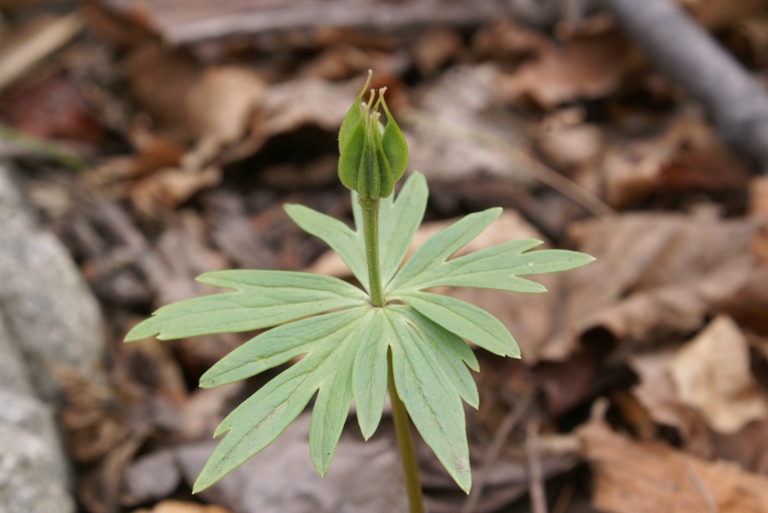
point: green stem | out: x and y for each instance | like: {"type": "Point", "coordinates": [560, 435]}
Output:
{"type": "Point", "coordinates": [405, 443]}
{"type": "Point", "coordinates": [371, 235]}
{"type": "Point", "coordinates": [399, 414]}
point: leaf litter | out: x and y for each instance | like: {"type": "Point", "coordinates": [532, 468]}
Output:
{"type": "Point", "coordinates": [195, 147]}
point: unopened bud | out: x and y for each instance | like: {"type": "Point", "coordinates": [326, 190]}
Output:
{"type": "Point", "coordinates": [373, 156]}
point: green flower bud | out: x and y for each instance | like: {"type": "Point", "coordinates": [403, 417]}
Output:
{"type": "Point", "coordinates": [372, 156]}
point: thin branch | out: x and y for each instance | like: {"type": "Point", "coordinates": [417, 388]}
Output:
{"type": "Point", "coordinates": [686, 53]}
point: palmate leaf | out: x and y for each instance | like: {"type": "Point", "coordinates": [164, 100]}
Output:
{"type": "Point", "coordinates": [345, 343]}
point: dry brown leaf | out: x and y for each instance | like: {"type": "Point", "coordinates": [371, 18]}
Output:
{"type": "Point", "coordinates": [169, 187]}
{"type": "Point", "coordinates": [712, 374]}
{"type": "Point", "coordinates": [171, 506]}
{"type": "Point", "coordinates": [656, 392]}
{"type": "Point", "coordinates": [221, 104]}
{"type": "Point", "coordinates": [686, 156]}
{"type": "Point", "coordinates": [308, 101]}
{"type": "Point", "coordinates": [508, 42]}
{"type": "Point", "coordinates": [435, 48]}
{"type": "Point", "coordinates": [652, 278]}
{"type": "Point", "coordinates": [718, 14]}
{"type": "Point", "coordinates": [160, 79]}
{"type": "Point", "coordinates": [457, 133]}
{"type": "Point", "coordinates": [566, 143]}
{"type": "Point", "coordinates": [748, 447]}
{"type": "Point", "coordinates": [749, 305]}
{"type": "Point", "coordinates": [758, 207]}
{"type": "Point", "coordinates": [651, 477]}
{"type": "Point", "coordinates": [585, 67]}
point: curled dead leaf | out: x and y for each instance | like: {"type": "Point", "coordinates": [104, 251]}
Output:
{"type": "Point", "coordinates": [585, 67]}
{"type": "Point", "coordinates": [712, 374]}
{"type": "Point", "coordinates": [650, 477]}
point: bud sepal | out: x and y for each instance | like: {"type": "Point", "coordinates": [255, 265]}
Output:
{"type": "Point", "coordinates": [373, 156]}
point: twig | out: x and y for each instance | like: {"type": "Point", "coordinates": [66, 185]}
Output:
{"type": "Point", "coordinates": [501, 435]}
{"type": "Point", "coordinates": [688, 55]}
{"type": "Point", "coordinates": [536, 481]}
{"type": "Point", "coordinates": [17, 60]}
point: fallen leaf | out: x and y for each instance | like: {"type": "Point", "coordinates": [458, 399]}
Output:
{"type": "Point", "coordinates": [651, 280]}
{"type": "Point", "coordinates": [171, 506]}
{"type": "Point", "coordinates": [505, 41]}
{"type": "Point", "coordinates": [161, 79]}
{"type": "Point", "coordinates": [567, 144]}
{"type": "Point", "coordinates": [748, 447]}
{"type": "Point", "coordinates": [686, 156]}
{"type": "Point", "coordinates": [586, 67]}
{"type": "Point", "coordinates": [221, 103]}
{"type": "Point", "coordinates": [52, 107]}
{"type": "Point", "coordinates": [712, 374]}
{"type": "Point", "coordinates": [649, 477]}
{"type": "Point", "coordinates": [758, 207]}
{"type": "Point", "coordinates": [748, 305]}
{"type": "Point", "coordinates": [658, 395]}
{"type": "Point", "coordinates": [435, 48]}
{"type": "Point", "coordinates": [167, 188]}
{"type": "Point", "coordinates": [449, 138]}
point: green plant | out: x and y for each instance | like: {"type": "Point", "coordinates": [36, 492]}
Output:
{"type": "Point", "coordinates": [358, 343]}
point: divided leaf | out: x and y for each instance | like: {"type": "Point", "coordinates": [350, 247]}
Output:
{"type": "Point", "coordinates": [446, 350]}
{"type": "Point", "coordinates": [256, 422]}
{"type": "Point", "coordinates": [441, 246]}
{"type": "Point", "coordinates": [399, 219]}
{"type": "Point", "coordinates": [465, 320]}
{"type": "Point", "coordinates": [277, 346]}
{"type": "Point", "coordinates": [497, 267]}
{"type": "Point", "coordinates": [263, 299]}
{"type": "Point", "coordinates": [431, 400]}
{"type": "Point", "coordinates": [369, 375]}
{"type": "Point", "coordinates": [345, 242]}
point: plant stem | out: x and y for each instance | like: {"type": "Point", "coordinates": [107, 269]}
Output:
{"type": "Point", "coordinates": [399, 414]}
{"type": "Point", "coordinates": [371, 235]}
{"type": "Point", "coordinates": [405, 443]}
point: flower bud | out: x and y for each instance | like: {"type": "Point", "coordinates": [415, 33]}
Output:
{"type": "Point", "coordinates": [372, 156]}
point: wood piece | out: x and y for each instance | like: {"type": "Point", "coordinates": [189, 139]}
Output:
{"type": "Point", "coordinates": [690, 56]}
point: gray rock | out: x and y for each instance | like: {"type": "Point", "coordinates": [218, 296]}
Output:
{"type": "Point", "coordinates": [48, 319]}
{"type": "Point", "coordinates": [30, 479]}
{"type": "Point", "coordinates": [33, 466]}
{"type": "Point", "coordinates": [49, 312]}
